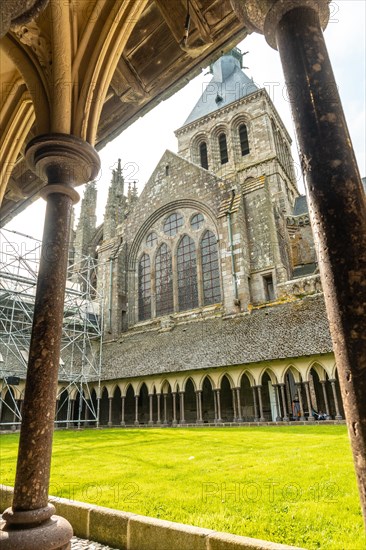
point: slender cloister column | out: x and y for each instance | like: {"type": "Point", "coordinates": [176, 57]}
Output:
{"type": "Point", "coordinates": [158, 419]}
{"type": "Point", "coordinates": [151, 420]}
{"type": "Point", "coordinates": [338, 415]}
{"type": "Point", "coordinates": [256, 419]}
{"type": "Point", "coordinates": [123, 400]}
{"type": "Point", "coordinates": [110, 403]}
{"type": "Point", "coordinates": [233, 391]}
{"type": "Point", "coordinates": [337, 203]}
{"type": "Point", "coordinates": [278, 405]}
{"type": "Point", "coordinates": [137, 423]}
{"type": "Point", "coordinates": [165, 421]}
{"type": "Point", "coordinates": [199, 406]}
{"type": "Point", "coordinates": [239, 417]}
{"type": "Point", "coordinates": [284, 403]}
{"type": "Point", "coordinates": [215, 405]}
{"type": "Point", "coordinates": [261, 417]}
{"type": "Point", "coordinates": [181, 410]}
{"type": "Point", "coordinates": [86, 412]}
{"type": "Point", "coordinates": [218, 400]}
{"type": "Point", "coordinates": [70, 409]}
{"type": "Point", "coordinates": [98, 412]}
{"type": "Point", "coordinates": [63, 161]}
{"type": "Point", "coordinates": [308, 399]}
{"type": "Point", "coordinates": [174, 422]}
{"type": "Point", "coordinates": [299, 392]}
{"type": "Point", "coordinates": [326, 402]}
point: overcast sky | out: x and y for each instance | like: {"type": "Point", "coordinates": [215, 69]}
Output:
{"type": "Point", "coordinates": [141, 146]}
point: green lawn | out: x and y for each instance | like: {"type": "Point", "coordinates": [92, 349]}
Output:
{"type": "Point", "coordinates": [291, 484]}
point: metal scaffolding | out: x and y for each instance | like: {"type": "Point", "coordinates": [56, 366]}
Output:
{"type": "Point", "coordinates": [81, 348]}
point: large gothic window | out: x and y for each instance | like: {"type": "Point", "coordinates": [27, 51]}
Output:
{"type": "Point", "coordinates": [187, 274]}
{"type": "Point", "coordinates": [144, 276]}
{"type": "Point", "coordinates": [163, 281]}
{"type": "Point", "coordinates": [203, 155]}
{"type": "Point", "coordinates": [244, 142]}
{"type": "Point", "coordinates": [224, 156]}
{"type": "Point", "coordinates": [210, 269]}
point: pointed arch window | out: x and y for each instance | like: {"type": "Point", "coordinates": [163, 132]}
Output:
{"type": "Point", "coordinates": [244, 141]}
{"type": "Point", "coordinates": [144, 276]}
{"type": "Point", "coordinates": [224, 156]}
{"type": "Point", "coordinates": [210, 269]}
{"type": "Point", "coordinates": [163, 281]}
{"type": "Point", "coordinates": [187, 274]}
{"type": "Point", "coordinates": [203, 155]}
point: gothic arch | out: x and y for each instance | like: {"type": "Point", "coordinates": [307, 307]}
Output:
{"type": "Point", "coordinates": [228, 376]}
{"type": "Point", "coordinates": [185, 381]}
{"type": "Point", "coordinates": [270, 373]}
{"type": "Point", "coordinates": [249, 376]}
{"type": "Point", "coordinates": [294, 371]}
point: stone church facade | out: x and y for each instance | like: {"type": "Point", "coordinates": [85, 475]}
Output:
{"type": "Point", "coordinates": [213, 308]}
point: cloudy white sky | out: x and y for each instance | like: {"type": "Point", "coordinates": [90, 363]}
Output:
{"type": "Point", "coordinates": [141, 146]}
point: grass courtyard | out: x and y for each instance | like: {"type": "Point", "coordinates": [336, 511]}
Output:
{"type": "Point", "coordinates": [291, 484]}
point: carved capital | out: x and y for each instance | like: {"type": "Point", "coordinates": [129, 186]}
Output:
{"type": "Point", "coordinates": [263, 16]}
{"type": "Point", "coordinates": [63, 160]}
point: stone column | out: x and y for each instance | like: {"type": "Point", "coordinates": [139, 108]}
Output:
{"type": "Point", "coordinates": [136, 422]}
{"type": "Point", "coordinates": [302, 415]}
{"type": "Point", "coordinates": [233, 392]}
{"type": "Point", "coordinates": [284, 403]}
{"type": "Point", "coordinates": [98, 412]}
{"type": "Point", "coordinates": [278, 407]}
{"type": "Point", "coordinates": [239, 417]}
{"type": "Point", "coordinates": [181, 410]}
{"type": "Point", "coordinates": [86, 413]}
{"type": "Point", "coordinates": [261, 417]}
{"type": "Point", "coordinates": [151, 420]}
{"type": "Point", "coordinates": [123, 401]}
{"type": "Point", "coordinates": [218, 401]}
{"type": "Point", "coordinates": [174, 394]}
{"type": "Point", "coordinates": [1, 407]}
{"type": "Point", "coordinates": [158, 420]}
{"type": "Point", "coordinates": [326, 402]}
{"type": "Point", "coordinates": [337, 203]}
{"type": "Point", "coordinates": [63, 161]}
{"type": "Point", "coordinates": [308, 399]}
{"type": "Point", "coordinates": [256, 419]}
{"type": "Point", "coordinates": [338, 415]}
{"type": "Point", "coordinates": [110, 403]}
{"type": "Point", "coordinates": [70, 411]}
{"type": "Point", "coordinates": [199, 406]}
{"type": "Point", "coordinates": [165, 396]}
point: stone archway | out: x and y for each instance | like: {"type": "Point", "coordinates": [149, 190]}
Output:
{"type": "Point", "coordinates": [208, 401]}
{"type": "Point", "coordinates": [143, 405]}
{"type": "Point", "coordinates": [267, 398]}
{"type": "Point", "coordinates": [190, 403]}
{"type": "Point", "coordinates": [246, 399]}
{"type": "Point", "coordinates": [63, 404]}
{"type": "Point", "coordinates": [104, 408]}
{"type": "Point", "coordinates": [116, 406]}
{"type": "Point", "coordinates": [130, 406]}
{"type": "Point", "coordinates": [226, 397]}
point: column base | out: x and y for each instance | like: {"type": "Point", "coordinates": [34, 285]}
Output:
{"type": "Point", "coordinates": [262, 419]}
{"type": "Point", "coordinates": [338, 417]}
{"type": "Point", "coordinates": [150, 423]}
{"type": "Point", "coordinates": [286, 419]}
{"type": "Point", "coordinates": [53, 534]}
{"type": "Point", "coordinates": [136, 423]}
{"type": "Point", "coordinates": [123, 424]}
{"type": "Point", "coordinates": [303, 418]}
{"type": "Point", "coordinates": [174, 423]}
{"type": "Point", "coordinates": [328, 417]}
{"type": "Point", "coordinates": [278, 419]}
{"type": "Point", "coordinates": [158, 423]}
{"type": "Point", "coordinates": [109, 424]}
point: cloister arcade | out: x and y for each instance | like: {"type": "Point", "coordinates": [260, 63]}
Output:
{"type": "Point", "coordinates": [237, 394]}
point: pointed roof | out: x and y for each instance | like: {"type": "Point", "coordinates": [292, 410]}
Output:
{"type": "Point", "coordinates": [228, 84]}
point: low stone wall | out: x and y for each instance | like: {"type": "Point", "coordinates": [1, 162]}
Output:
{"type": "Point", "coordinates": [302, 286]}
{"type": "Point", "coordinates": [133, 532]}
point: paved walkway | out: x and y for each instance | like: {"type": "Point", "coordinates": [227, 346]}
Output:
{"type": "Point", "coordinates": [80, 544]}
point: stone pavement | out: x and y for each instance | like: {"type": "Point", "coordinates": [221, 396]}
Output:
{"type": "Point", "coordinates": [81, 544]}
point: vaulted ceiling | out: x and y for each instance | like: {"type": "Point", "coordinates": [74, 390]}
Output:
{"type": "Point", "coordinates": [91, 67]}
